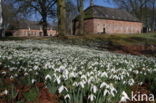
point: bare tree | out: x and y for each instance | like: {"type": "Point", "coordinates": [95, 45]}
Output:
{"type": "Point", "coordinates": [71, 12]}
{"type": "Point", "coordinates": [80, 4]}
{"type": "Point", "coordinates": [1, 21]}
{"type": "Point", "coordinates": [133, 6]}
{"type": "Point", "coordinates": [61, 13]}
{"type": "Point", "coordinates": [44, 7]}
{"type": "Point", "coordinates": [91, 2]}
{"type": "Point", "coordinates": [153, 5]}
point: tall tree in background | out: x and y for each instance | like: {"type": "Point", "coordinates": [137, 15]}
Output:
{"type": "Point", "coordinates": [10, 17]}
{"type": "Point", "coordinates": [153, 5]}
{"type": "Point", "coordinates": [91, 2]}
{"type": "Point", "coordinates": [142, 9]}
{"type": "Point", "coordinates": [71, 12]}
{"type": "Point", "coordinates": [80, 4]}
{"type": "Point", "coordinates": [46, 9]}
{"type": "Point", "coordinates": [1, 20]}
{"type": "Point", "coordinates": [61, 13]}
{"type": "Point", "coordinates": [133, 6]}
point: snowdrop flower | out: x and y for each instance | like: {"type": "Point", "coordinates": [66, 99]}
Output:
{"type": "Point", "coordinates": [104, 74]}
{"type": "Point", "coordinates": [16, 75]}
{"type": "Point", "coordinates": [113, 90]}
{"type": "Point", "coordinates": [131, 82]}
{"type": "Point", "coordinates": [106, 91]}
{"type": "Point", "coordinates": [82, 84]}
{"type": "Point", "coordinates": [11, 77]}
{"type": "Point", "coordinates": [91, 97]}
{"type": "Point", "coordinates": [58, 80]}
{"type": "Point", "coordinates": [48, 77]}
{"type": "Point", "coordinates": [67, 96]}
{"type": "Point", "coordinates": [25, 74]}
{"type": "Point", "coordinates": [75, 84]}
{"type": "Point", "coordinates": [83, 77]}
{"type": "Point", "coordinates": [124, 97]}
{"type": "Point", "coordinates": [35, 67]}
{"type": "Point", "coordinates": [4, 72]}
{"type": "Point", "coordinates": [103, 85]}
{"type": "Point", "coordinates": [33, 81]}
{"type": "Point", "coordinates": [94, 89]}
{"type": "Point", "coordinates": [5, 92]}
{"type": "Point", "coordinates": [62, 88]}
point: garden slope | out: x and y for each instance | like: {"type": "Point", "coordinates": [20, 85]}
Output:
{"type": "Point", "coordinates": [77, 74]}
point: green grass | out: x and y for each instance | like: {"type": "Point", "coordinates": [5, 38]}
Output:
{"type": "Point", "coordinates": [100, 41]}
{"type": "Point", "coordinates": [121, 39]}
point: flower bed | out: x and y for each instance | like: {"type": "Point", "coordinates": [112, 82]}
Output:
{"type": "Point", "coordinates": [77, 74]}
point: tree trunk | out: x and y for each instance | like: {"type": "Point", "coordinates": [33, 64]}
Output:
{"type": "Point", "coordinates": [81, 19]}
{"type": "Point", "coordinates": [61, 17]}
{"type": "Point", "coordinates": [44, 24]}
{"type": "Point", "coordinates": [1, 21]}
{"type": "Point", "coordinates": [153, 16]}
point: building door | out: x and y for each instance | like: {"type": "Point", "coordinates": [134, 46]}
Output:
{"type": "Point", "coordinates": [104, 30]}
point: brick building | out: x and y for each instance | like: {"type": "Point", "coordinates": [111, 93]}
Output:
{"type": "Point", "coordinates": [31, 28]}
{"type": "Point", "coordinates": [101, 20]}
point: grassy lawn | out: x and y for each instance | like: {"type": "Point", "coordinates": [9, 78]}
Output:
{"type": "Point", "coordinates": [121, 39]}
{"type": "Point", "coordinates": [146, 43]}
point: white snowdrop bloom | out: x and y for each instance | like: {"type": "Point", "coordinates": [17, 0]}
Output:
{"type": "Point", "coordinates": [82, 84]}
{"type": "Point", "coordinates": [30, 70]}
{"type": "Point", "coordinates": [104, 74]}
{"type": "Point", "coordinates": [11, 77]}
{"type": "Point", "coordinates": [16, 75]}
{"type": "Point", "coordinates": [131, 82]}
{"type": "Point", "coordinates": [26, 74]}
{"type": "Point", "coordinates": [67, 96]}
{"type": "Point", "coordinates": [72, 74]}
{"type": "Point", "coordinates": [91, 97]}
{"type": "Point", "coordinates": [58, 80]}
{"type": "Point", "coordinates": [103, 85]}
{"type": "Point", "coordinates": [4, 72]}
{"type": "Point", "coordinates": [141, 83]}
{"type": "Point", "coordinates": [124, 97]}
{"type": "Point", "coordinates": [75, 84]}
{"type": "Point", "coordinates": [62, 67]}
{"type": "Point", "coordinates": [35, 67]}
{"type": "Point", "coordinates": [91, 78]}
{"type": "Point", "coordinates": [5, 92]}
{"type": "Point", "coordinates": [94, 89]}
{"type": "Point", "coordinates": [83, 77]}
{"type": "Point", "coordinates": [33, 81]}
{"type": "Point", "coordinates": [106, 91]}
{"type": "Point", "coordinates": [12, 68]}
{"type": "Point", "coordinates": [48, 77]}
{"type": "Point", "coordinates": [62, 88]}
{"type": "Point", "coordinates": [36, 73]}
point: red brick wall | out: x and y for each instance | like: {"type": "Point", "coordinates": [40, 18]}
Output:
{"type": "Point", "coordinates": [88, 26]}
{"type": "Point", "coordinates": [96, 26]}
{"type": "Point", "coordinates": [116, 27]}
{"type": "Point", "coordinates": [26, 32]}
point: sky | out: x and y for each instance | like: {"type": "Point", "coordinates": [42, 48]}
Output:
{"type": "Point", "coordinates": [106, 3]}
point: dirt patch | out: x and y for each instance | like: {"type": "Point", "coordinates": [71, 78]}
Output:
{"type": "Point", "coordinates": [148, 50]}
{"type": "Point", "coordinates": [46, 97]}
{"type": "Point", "coordinates": [43, 95]}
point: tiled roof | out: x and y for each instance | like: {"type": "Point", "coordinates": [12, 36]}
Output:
{"type": "Point", "coordinates": [101, 12]}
